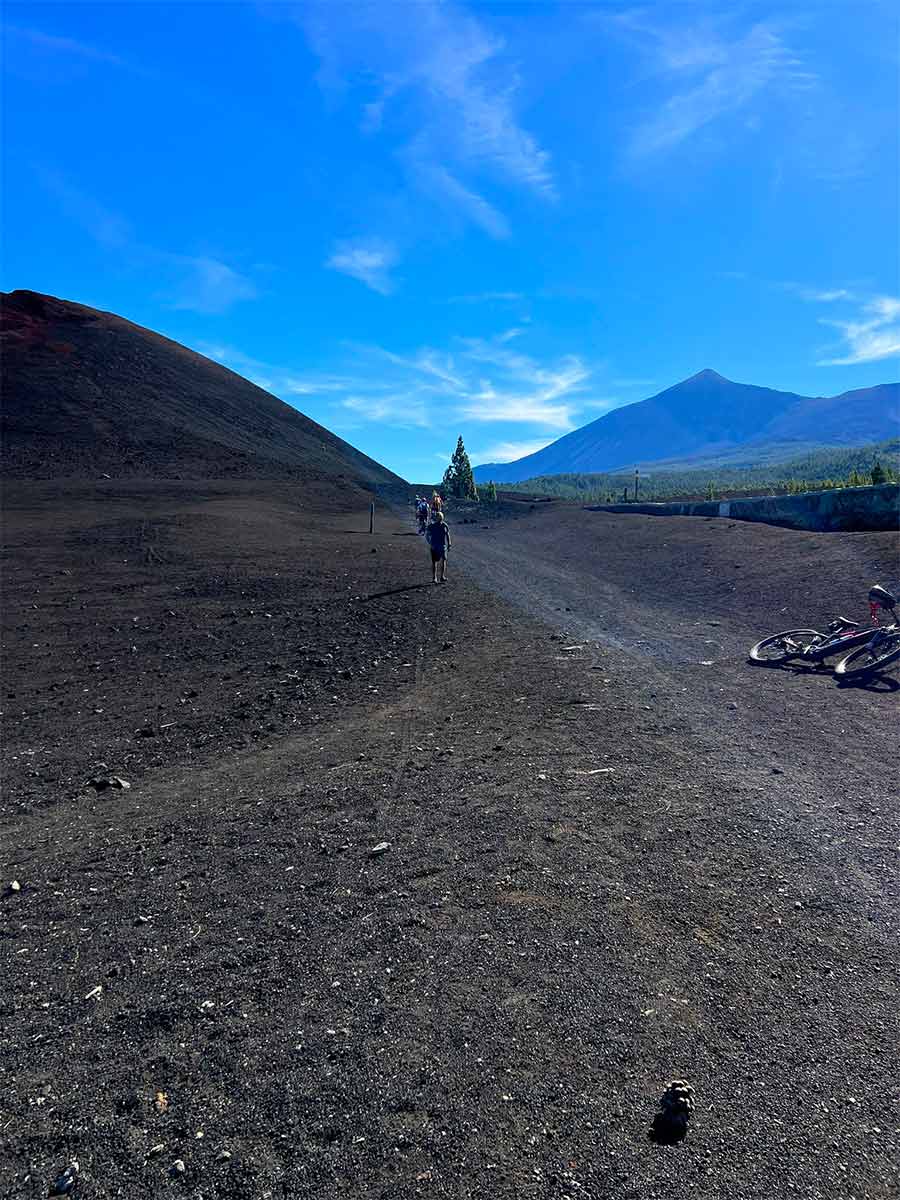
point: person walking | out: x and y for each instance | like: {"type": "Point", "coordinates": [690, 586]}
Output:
{"type": "Point", "coordinates": [438, 538]}
{"type": "Point", "coordinates": [421, 513]}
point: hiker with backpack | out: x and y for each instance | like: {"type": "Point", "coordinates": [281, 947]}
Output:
{"type": "Point", "coordinates": [421, 513]}
{"type": "Point", "coordinates": [438, 537]}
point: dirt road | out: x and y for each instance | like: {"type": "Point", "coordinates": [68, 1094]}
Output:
{"type": "Point", "coordinates": [598, 874]}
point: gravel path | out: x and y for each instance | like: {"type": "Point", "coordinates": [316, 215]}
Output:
{"type": "Point", "coordinates": [599, 876]}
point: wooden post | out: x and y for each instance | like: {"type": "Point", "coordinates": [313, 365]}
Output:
{"type": "Point", "coordinates": [636, 483]}
{"type": "Point", "coordinates": [372, 517]}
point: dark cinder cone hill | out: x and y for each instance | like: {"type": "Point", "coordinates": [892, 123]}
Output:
{"type": "Point", "coordinates": [87, 393]}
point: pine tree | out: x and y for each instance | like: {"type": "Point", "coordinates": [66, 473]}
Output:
{"type": "Point", "coordinates": [878, 475]}
{"type": "Point", "coordinates": [458, 478]}
{"type": "Point", "coordinates": [491, 493]}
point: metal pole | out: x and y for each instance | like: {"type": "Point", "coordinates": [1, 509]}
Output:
{"type": "Point", "coordinates": [372, 517]}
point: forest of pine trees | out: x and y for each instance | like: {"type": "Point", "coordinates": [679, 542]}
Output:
{"type": "Point", "coordinates": [814, 471]}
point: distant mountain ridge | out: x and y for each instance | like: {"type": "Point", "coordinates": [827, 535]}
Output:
{"type": "Point", "coordinates": [87, 393]}
{"type": "Point", "coordinates": [706, 416]}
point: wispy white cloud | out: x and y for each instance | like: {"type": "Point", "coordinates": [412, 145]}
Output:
{"type": "Point", "coordinates": [474, 108]}
{"type": "Point", "coordinates": [523, 390]}
{"type": "Point", "coordinates": [504, 452]}
{"type": "Point", "coordinates": [198, 282]}
{"type": "Point", "coordinates": [478, 380]}
{"type": "Point", "coordinates": [108, 228]}
{"type": "Point", "coordinates": [873, 335]}
{"type": "Point", "coordinates": [67, 46]}
{"type": "Point", "coordinates": [207, 285]}
{"type": "Point", "coordinates": [368, 260]}
{"type": "Point", "coordinates": [403, 411]}
{"type": "Point", "coordinates": [436, 80]}
{"type": "Point", "coordinates": [817, 295]}
{"type": "Point", "coordinates": [426, 362]}
{"type": "Point", "coordinates": [284, 381]}
{"type": "Point", "coordinates": [826, 296]}
{"type": "Point", "coordinates": [474, 381]}
{"type": "Point", "coordinates": [708, 74]}
{"type": "Point", "coordinates": [447, 189]}
{"type": "Point", "coordinates": [604, 404]}
{"type": "Point", "coordinates": [523, 409]}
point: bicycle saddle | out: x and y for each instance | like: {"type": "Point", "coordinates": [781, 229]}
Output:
{"type": "Point", "coordinates": [880, 595]}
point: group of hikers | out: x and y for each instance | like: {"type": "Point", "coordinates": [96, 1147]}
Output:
{"type": "Point", "coordinates": [430, 518]}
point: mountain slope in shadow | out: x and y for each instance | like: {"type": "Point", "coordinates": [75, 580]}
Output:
{"type": "Point", "coordinates": [87, 393]}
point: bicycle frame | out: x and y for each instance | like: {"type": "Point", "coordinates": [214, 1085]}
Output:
{"type": "Point", "coordinates": [830, 643]}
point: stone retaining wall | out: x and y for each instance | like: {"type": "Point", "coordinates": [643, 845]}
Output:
{"type": "Point", "coordinates": [838, 508]}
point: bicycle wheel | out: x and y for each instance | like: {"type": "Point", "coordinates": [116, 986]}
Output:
{"type": "Point", "coordinates": [781, 647]}
{"type": "Point", "coordinates": [869, 658]}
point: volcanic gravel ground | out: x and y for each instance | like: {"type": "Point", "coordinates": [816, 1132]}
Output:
{"type": "Point", "coordinates": [607, 865]}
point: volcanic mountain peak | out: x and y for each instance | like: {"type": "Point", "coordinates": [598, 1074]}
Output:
{"type": "Point", "coordinates": [707, 375]}
{"type": "Point", "coordinates": [708, 414]}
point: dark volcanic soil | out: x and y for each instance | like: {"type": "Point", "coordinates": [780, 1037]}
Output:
{"type": "Point", "coordinates": [617, 854]}
{"type": "Point", "coordinates": [87, 393]}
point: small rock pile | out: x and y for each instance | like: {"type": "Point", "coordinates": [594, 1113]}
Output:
{"type": "Point", "coordinates": [676, 1109]}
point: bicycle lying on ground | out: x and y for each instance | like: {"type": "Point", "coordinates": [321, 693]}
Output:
{"type": "Point", "coordinates": [870, 649]}
{"type": "Point", "coordinates": [882, 647]}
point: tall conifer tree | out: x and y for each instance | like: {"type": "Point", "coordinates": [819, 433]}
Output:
{"type": "Point", "coordinates": [458, 478]}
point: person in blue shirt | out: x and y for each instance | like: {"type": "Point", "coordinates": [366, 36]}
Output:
{"type": "Point", "coordinates": [438, 537]}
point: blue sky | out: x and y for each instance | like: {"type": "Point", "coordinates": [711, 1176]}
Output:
{"type": "Point", "coordinates": [415, 220]}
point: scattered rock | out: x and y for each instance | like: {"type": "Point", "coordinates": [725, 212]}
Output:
{"type": "Point", "coordinates": [15, 886]}
{"type": "Point", "coordinates": [178, 1167]}
{"type": "Point", "coordinates": [381, 848]}
{"type": "Point", "coordinates": [161, 1102]}
{"type": "Point", "coordinates": [64, 1183]}
{"type": "Point", "coordinates": [142, 920]}
{"type": "Point", "coordinates": [676, 1109]}
{"type": "Point", "coordinates": [157, 1149]}
{"type": "Point", "coordinates": [100, 783]}
{"type": "Point", "coordinates": [94, 992]}
{"type": "Point", "coordinates": [223, 1156]}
